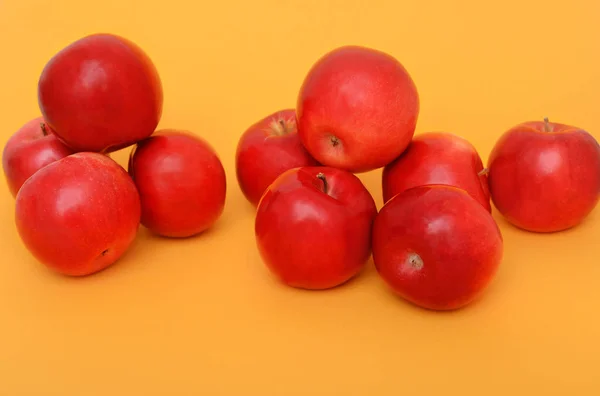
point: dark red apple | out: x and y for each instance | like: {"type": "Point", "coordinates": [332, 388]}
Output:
{"type": "Point", "coordinates": [357, 109]}
{"type": "Point", "coordinates": [313, 227]}
{"type": "Point", "coordinates": [545, 176]}
{"type": "Point", "coordinates": [101, 93]}
{"type": "Point", "coordinates": [438, 158]}
{"type": "Point", "coordinates": [78, 215]}
{"type": "Point", "coordinates": [181, 181]}
{"type": "Point", "coordinates": [29, 149]}
{"type": "Point", "coordinates": [265, 150]}
{"type": "Point", "coordinates": [436, 247]}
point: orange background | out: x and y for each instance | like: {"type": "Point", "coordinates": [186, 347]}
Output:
{"type": "Point", "coordinates": [203, 315]}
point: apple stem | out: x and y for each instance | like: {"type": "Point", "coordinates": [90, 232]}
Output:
{"type": "Point", "coordinates": [324, 180]}
{"type": "Point", "coordinates": [280, 126]}
{"type": "Point", "coordinates": [547, 126]}
{"type": "Point", "coordinates": [483, 172]}
{"type": "Point", "coordinates": [44, 129]}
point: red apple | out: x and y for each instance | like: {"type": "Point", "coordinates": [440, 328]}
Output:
{"type": "Point", "coordinates": [101, 93]}
{"type": "Point", "coordinates": [28, 150]}
{"type": "Point", "coordinates": [181, 181]}
{"type": "Point", "coordinates": [357, 109]}
{"type": "Point", "coordinates": [78, 215]}
{"type": "Point", "coordinates": [545, 176]}
{"type": "Point", "coordinates": [438, 158]}
{"type": "Point", "coordinates": [313, 227]}
{"type": "Point", "coordinates": [265, 150]}
{"type": "Point", "coordinates": [436, 247]}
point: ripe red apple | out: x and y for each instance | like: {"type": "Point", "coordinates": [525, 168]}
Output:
{"type": "Point", "coordinates": [78, 215]}
{"type": "Point", "coordinates": [438, 158]}
{"type": "Point", "coordinates": [436, 246]}
{"type": "Point", "coordinates": [181, 181]}
{"type": "Point", "coordinates": [357, 109]}
{"type": "Point", "coordinates": [545, 176]}
{"type": "Point", "coordinates": [313, 227]}
{"type": "Point", "coordinates": [29, 149]}
{"type": "Point", "coordinates": [265, 150]}
{"type": "Point", "coordinates": [101, 93]}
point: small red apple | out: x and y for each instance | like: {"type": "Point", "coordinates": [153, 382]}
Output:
{"type": "Point", "coordinates": [265, 150]}
{"type": "Point", "coordinates": [545, 176]}
{"type": "Point", "coordinates": [436, 246]}
{"type": "Point", "coordinates": [78, 215]}
{"type": "Point", "coordinates": [101, 93]}
{"type": "Point", "coordinates": [28, 150]}
{"type": "Point", "coordinates": [438, 158]}
{"type": "Point", "coordinates": [313, 227]}
{"type": "Point", "coordinates": [357, 109]}
{"type": "Point", "coordinates": [181, 181]}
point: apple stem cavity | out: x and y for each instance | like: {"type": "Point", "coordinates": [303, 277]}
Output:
{"type": "Point", "coordinates": [547, 126]}
{"type": "Point", "coordinates": [415, 261]}
{"type": "Point", "coordinates": [281, 127]}
{"type": "Point", "coordinates": [44, 129]}
{"type": "Point", "coordinates": [335, 141]}
{"type": "Point", "coordinates": [324, 180]}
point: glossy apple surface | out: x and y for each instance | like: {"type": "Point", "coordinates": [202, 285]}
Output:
{"type": "Point", "coordinates": [436, 247]}
{"type": "Point", "coordinates": [313, 227]}
{"type": "Point", "coordinates": [265, 150]}
{"type": "Point", "coordinates": [545, 176]}
{"type": "Point", "coordinates": [181, 181]}
{"type": "Point", "coordinates": [357, 109]}
{"type": "Point", "coordinates": [29, 149]}
{"type": "Point", "coordinates": [438, 158]}
{"type": "Point", "coordinates": [78, 215]}
{"type": "Point", "coordinates": [101, 93]}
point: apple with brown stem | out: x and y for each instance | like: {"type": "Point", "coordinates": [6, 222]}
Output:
{"type": "Point", "coordinates": [29, 149]}
{"type": "Point", "coordinates": [265, 150]}
{"type": "Point", "coordinates": [313, 227]}
{"type": "Point", "coordinates": [545, 176]}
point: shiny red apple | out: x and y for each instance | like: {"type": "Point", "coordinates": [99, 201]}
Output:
{"type": "Point", "coordinates": [357, 109]}
{"type": "Point", "coordinates": [313, 227]}
{"type": "Point", "coordinates": [78, 215]}
{"type": "Point", "coordinates": [436, 247]}
{"type": "Point", "coordinates": [181, 181]}
{"type": "Point", "coordinates": [545, 176]}
{"type": "Point", "coordinates": [101, 93]}
{"type": "Point", "coordinates": [438, 158]}
{"type": "Point", "coordinates": [29, 149]}
{"type": "Point", "coordinates": [265, 150]}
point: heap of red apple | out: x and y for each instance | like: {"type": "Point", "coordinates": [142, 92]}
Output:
{"type": "Point", "coordinates": [434, 241]}
{"type": "Point", "coordinates": [77, 210]}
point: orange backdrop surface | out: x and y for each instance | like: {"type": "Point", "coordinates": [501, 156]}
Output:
{"type": "Point", "coordinates": [203, 316]}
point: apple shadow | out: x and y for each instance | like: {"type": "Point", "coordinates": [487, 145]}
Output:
{"type": "Point", "coordinates": [380, 286]}
{"type": "Point", "coordinates": [126, 259]}
{"type": "Point", "coordinates": [363, 275]}
{"type": "Point", "coordinates": [225, 221]}
{"type": "Point", "coordinates": [421, 310]}
{"type": "Point", "coordinates": [504, 224]}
